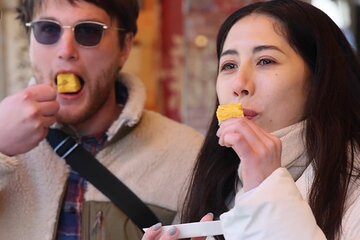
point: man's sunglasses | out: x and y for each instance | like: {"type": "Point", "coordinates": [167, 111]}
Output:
{"type": "Point", "coordinates": [87, 33]}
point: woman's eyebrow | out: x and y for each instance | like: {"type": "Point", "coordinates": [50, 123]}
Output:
{"type": "Point", "coordinates": [255, 50]}
{"type": "Point", "coordinates": [266, 47]}
{"type": "Point", "coordinates": [229, 52]}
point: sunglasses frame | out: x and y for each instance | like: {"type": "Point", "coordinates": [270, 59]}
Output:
{"type": "Point", "coordinates": [72, 28]}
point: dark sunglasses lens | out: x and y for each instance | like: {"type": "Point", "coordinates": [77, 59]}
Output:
{"type": "Point", "coordinates": [88, 34]}
{"type": "Point", "coordinates": [46, 32]}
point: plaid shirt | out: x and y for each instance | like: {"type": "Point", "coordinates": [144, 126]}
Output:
{"type": "Point", "coordinates": [70, 216]}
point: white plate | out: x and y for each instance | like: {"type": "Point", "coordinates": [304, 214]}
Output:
{"type": "Point", "coordinates": [196, 229]}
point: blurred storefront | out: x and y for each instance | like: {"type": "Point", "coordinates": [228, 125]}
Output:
{"type": "Point", "coordinates": [189, 57]}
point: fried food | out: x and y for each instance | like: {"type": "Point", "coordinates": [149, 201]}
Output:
{"type": "Point", "coordinates": [68, 83]}
{"type": "Point", "coordinates": [227, 111]}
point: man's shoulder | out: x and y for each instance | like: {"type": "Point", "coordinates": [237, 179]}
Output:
{"type": "Point", "coordinates": [163, 123]}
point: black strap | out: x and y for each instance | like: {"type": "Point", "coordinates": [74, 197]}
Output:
{"type": "Point", "coordinates": [92, 170]}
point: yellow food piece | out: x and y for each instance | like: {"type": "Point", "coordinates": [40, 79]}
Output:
{"type": "Point", "coordinates": [68, 83]}
{"type": "Point", "coordinates": [227, 111]}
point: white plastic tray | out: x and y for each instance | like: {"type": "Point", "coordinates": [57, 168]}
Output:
{"type": "Point", "coordinates": [196, 229]}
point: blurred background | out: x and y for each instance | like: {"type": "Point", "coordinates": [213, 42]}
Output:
{"type": "Point", "coordinates": [174, 52]}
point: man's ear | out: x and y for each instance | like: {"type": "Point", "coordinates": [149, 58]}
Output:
{"type": "Point", "coordinates": [128, 42]}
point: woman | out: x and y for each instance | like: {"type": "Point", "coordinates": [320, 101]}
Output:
{"type": "Point", "coordinates": [298, 80]}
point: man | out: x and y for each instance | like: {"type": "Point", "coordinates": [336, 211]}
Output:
{"type": "Point", "coordinates": [40, 196]}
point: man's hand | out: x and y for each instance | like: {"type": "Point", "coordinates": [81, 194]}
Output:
{"type": "Point", "coordinates": [25, 118]}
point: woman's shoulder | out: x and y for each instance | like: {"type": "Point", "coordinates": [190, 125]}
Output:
{"type": "Point", "coordinates": [351, 220]}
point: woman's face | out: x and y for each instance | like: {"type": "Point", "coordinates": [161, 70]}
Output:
{"type": "Point", "coordinates": [259, 69]}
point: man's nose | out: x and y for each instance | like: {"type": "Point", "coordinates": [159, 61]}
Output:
{"type": "Point", "coordinates": [67, 46]}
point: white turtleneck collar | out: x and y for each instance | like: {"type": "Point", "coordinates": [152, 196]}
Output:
{"type": "Point", "coordinates": [293, 154]}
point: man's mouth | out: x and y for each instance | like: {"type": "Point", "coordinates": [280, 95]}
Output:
{"type": "Point", "coordinates": [69, 83]}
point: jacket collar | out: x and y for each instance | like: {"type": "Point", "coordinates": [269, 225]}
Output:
{"type": "Point", "coordinates": [133, 107]}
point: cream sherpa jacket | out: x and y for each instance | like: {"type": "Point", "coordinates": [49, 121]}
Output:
{"type": "Point", "coordinates": [154, 160]}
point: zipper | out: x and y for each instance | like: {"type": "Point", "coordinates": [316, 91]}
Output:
{"type": "Point", "coordinates": [97, 228]}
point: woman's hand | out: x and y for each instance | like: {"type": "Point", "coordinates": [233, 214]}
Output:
{"type": "Point", "coordinates": [208, 217]}
{"type": "Point", "coordinates": [157, 233]}
{"type": "Point", "coordinates": [259, 151]}
{"type": "Point", "coordinates": [25, 118]}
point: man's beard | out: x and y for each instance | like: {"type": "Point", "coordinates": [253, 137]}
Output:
{"type": "Point", "coordinates": [100, 95]}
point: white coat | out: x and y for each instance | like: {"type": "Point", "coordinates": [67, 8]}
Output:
{"type": "Point", "coordinates": [277, 209]}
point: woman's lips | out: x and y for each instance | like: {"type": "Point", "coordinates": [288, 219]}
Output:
{"type": "Point", "coordinates": [249, 114]}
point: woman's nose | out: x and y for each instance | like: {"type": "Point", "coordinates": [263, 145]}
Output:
{"type": "Point", "coordinates": [67, 46]}
{"type": "Point", "coordinates": [243, 84]}
{"type": "Point", "coordinates": [242, 93]}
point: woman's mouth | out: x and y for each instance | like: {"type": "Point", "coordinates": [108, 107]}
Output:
{"type": "Point", "coordinates": [250, 114]}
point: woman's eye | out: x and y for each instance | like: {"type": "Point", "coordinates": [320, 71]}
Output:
{"type": "Point", "coordinates": [265, 61]}
{"type": "Point", "coordinates": [228, 66]}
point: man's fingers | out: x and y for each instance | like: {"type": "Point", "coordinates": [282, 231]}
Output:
{"type": "Point", "coordinates": [49, 108]}
{"type": "Point", "coordinates": [41, 93]}
{"type": "Point", "coordinates": [48, 121]}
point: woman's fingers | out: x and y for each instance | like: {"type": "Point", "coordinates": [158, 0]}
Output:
{"type": "Point", "coordinates": [260, 152]}
{"type": "Point", "coordinates": [157, 233]}
{"type": "Point", "coordinates": [208, 217]}
{"type": "Point", "coordinates": [153, 232]}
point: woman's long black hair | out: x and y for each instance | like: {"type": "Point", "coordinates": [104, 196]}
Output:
{"type": "Point", "coordinates": [332, 113]}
